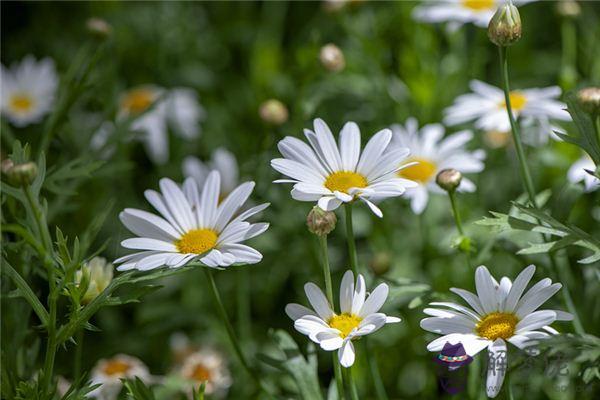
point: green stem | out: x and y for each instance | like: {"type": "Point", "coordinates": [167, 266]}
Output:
{"type": "Point", "coordinates": [26, 291]}
{"type": "Point", "coordinates": [243, 303]}
{"type": "Point", "coordinates": [78, 355]}
{"type": "Point", "coordinates": [351, 383]}
{"type": "Point", "coordinates": [39, 218]}
{"type": "Point", "coordinates": [377, 380]}
{"type": "Point", "coordinates": [566, 293]}
{"type": "Point", "coordinates": [233, 339]}
{"type": "Point", "coordinates": [458, 221]}
{"type": "Point", "coordinates": [350, 239]}
{"type": "Point", "coordinates": [337, 369]}
{"type": "Point", "coordinates": [523, 167]}
{"type": "Point", "coordinates": [51, 344]}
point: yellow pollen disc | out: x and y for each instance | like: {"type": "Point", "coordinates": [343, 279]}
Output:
{"type": "Point", "coordinates": [344, 323]}
{"type": "Point", "coordinates": [342, 181]}
{"type": "Point", "coordinates": [421, 172]}
{"type": "Point", "coordinates": [137, 101]}
{"type": "Point", "coordinates": [116, 367]}
{"type": "Point", "coordinates": [21, 103]}
{"type": "Point", "coordinates": [497, 325]}
{"type": "Point", "coordinates": [478, 5]}
{"type": "Point", "coordinates": [200, 373]}
{"type": "Point", "coordinates": [517, 101]}
{"type": "Point", "coordinates": [197, 241]}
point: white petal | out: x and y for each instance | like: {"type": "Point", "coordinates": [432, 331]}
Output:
{"type": "Point", "coordinates": [486, 290]}
{"type": "Point", "coordinates": [350, 146]}
{"type": "Point", "coordinates": [296, 311]}
{"type": "Point", "coordinates": [148, 244]}
{"type": "Point", "coordinates": [470, 298]}
{"type": "Point", "coordinates": [318, 301]}
{"type": "Point", "coordinates": [536, 299]}
{"type": "Point", "coordinates": [360, 291]}
{"type": "Point", "coordinates": [518, 288]}
{"type": "Point", "coordinates": [375, 300]}
{"type": "Point", "coordinates": [535, 320]}
{"type": "Point", "coordinates": [346, 354]}
{"type": "Point", "coordinates": [497, 366]}
{"type": "Point", "coordinates": [347, 292]}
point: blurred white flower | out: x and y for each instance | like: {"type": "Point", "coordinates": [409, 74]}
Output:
{"type": "Point", "coordinates": [223, 161]}
{"type": "Point", "coordinates": [332, 174]}
{"type": "Point", "coordinates": [577, 173]}
{"type": "Point", "coordinates": [432, 153]}
{"type": "Point", "coordinates": [486, 106]}
{"type": "Point", "coordinates": [109, 372]}
{"type": "Point", "coordinates": [500, 312]}
{"type": "Point", "coordinates": [359, 317]}
{"type": "Point", "coordinates": [28, 90]}
{"type": "Point", "coordinates": [193, 225]}
{"type": "Point", "coordinates": [478, 12]}
{"type": "Point", "coordinates": [98, 273]}
{"type": "Point", "coordinates": [153, 109]}
{"type": "Point", "coordinates": [206, 365]}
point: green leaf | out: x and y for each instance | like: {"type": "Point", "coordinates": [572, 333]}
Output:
{"type": "Point", "coordinates": [587, 138]}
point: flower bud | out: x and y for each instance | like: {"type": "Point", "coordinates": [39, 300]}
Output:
{"type": "Point", "coordinates": [589, 99]}
{"type": "Point", "coordinates": [320, 222]}
{"type": "Point", "coordinates": [380, 264]}
{"type": "Point", "coordinates": [332, 58]}
{"type": "Point", "coordinates": [20, 174]}
{"type": "Point", "coordinates": [273, 112]}
{"type": "Point", "coordinates": [505, 26]}
{"type": "Point", "coordinates": [98, 274]}
{"type": "Point", "coordinates": [98, 27]}
{"type": "Point", "coordinates": [568, 8]}
{"type": "Point", "coordinates": [448, 179]}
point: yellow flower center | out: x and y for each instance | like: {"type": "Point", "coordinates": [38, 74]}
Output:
{"type": "Point", "coordinates": [478, 5]}
{"type": "Point", "coordinates": [21, 103]}
{"type": "Point", "coordinates": [342, 181]}
{"type": "Point", "coordinates": [197, 241]}
{"type": "Point", "coordinates": [517, 101]}
{"type": "Point", "coordinates": [344, 323]}
{"type": "Point", "coordinates": [421, 172]}
{"type": "Point", "coordinates": [200, 373]}
{"type": "Point", "coordinates": [116, 367]}
{"type": "Point", "coordinates": [136, 101]}
{"type": "Point", "coordinates": [497, 325]}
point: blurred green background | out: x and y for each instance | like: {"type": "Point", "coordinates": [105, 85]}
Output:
{"type": "Point", "coordinates": [237, 55]}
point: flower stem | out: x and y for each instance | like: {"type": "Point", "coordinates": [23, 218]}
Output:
{"type": "Point", "coordinates": [225, 319]}
{"type": "Point", "coordinates": [523, 167]}
{"type": "Point", "coordinates": [458, 221]}
{"type": "Point", "coordinates": [350, 239]}
{"type": "Point", "coordinates": [78, 355]}
{"type": "Point", "coordinates": [337, 369]}
{"type": "Point", "coordinates": [380, 393]}
{"type": "Point", "coordinates": [351, 383]}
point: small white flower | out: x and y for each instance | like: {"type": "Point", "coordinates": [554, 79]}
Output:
{"type": "Point", "coordinates": [209, 366]}
{"type": "Point", "coordinates": [478, 12]}
{"type": "Point", "coordinates": [222, 160]}
{"type": "Point", "coordinates": [98, 273]}
{"type": "Point", "coordinates": [333, 174]}
{"type": "Point", "coordinates": [577, 173]}
{"type": "Point", "coordinates": [433, 153]}
{"type": "Point", "coordinates": [109, 372]}
{"type": "Point", "coordinates": [499, 313]}
{"type": "Point", "coordinates": [28, 90]}
{"type": "Point", "coordinates": [535, 108]}
{"type": "Point", "coordinates": [358, 317]}
{"type": "Point", "coordinates": [193, 224]}
{"type": "Point", "coordinates": [153, 109]}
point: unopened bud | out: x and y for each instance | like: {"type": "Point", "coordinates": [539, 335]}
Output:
{"type": "Point", "coordinates": [273, 112]}
{"type": "Point", "coordinates": [505, 26]}
{"type": "Point", "coordinates": [97, 273]}
{"type": "Point", "coordinates": [589, 99]}
{"type": "Point", "coordinates": [448, 179]}
{"type": "Point", "coordinates": [20, 174]}
{"type": "Point", "coordinates": [321, 222]}
{"type": "Point", "coordinates": [380, 264]}
{"type": "Point", "coordinates": [7, 166]}
{"type": "Point", "coordinates": [332, 58]}
{"type": "Point", "coordinates": [568, 8]}
{"type": "Point", "coordinates": [98, 27]}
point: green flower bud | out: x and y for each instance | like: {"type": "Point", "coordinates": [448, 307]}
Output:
{"type": "Point", "coordinates": [589, 99]}
{"type": "Point", "coordinates": [505, 26]}
{"type": "Point", "coordinates": [332, 58]}
{"type": "Point", "coordinates": [97, 273]}
{"type": "Point", "coordinates": [321, 222]}
{"type": "Point", "coordinates": [380, 264]}
{"type": "Point", "coordinates": [448, 179]}
{"type": "Point", "coordinates": [273, 112]}
{"type": "Point", "coordinates": [20, 174]}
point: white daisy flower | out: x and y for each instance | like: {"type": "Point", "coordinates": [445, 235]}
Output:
{"type": "Point", "coordinates": [358, 316]}
{"type": "Point", "coordinates": [459, 12]}
{"type": "Point", "coordinates": [209, 366]}
{"type": "Point", "coordinates": [28, 90]}
{"type": "Point", "coordinates": [577, 173]}
{"type": "Point", "coordinates": [222, 160]}
{"type": "Point", "coordinates": [193, 224]}
{"type": "Point", "coordinates": [499, 313]}
{"type": "Point", "coordinates": [153, 109]}
{"type": "Point", "coordinates": [535, 107]}
{"type": "Point", "coordinates": [109, 372]}
{"type": "Point", "coordinates": [333, 174]}
{"type": "Point", "coordinates": [431, 152]}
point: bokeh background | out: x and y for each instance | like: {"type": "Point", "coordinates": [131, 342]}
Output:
{"type": "Point", "coordinates": [236, 56]}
